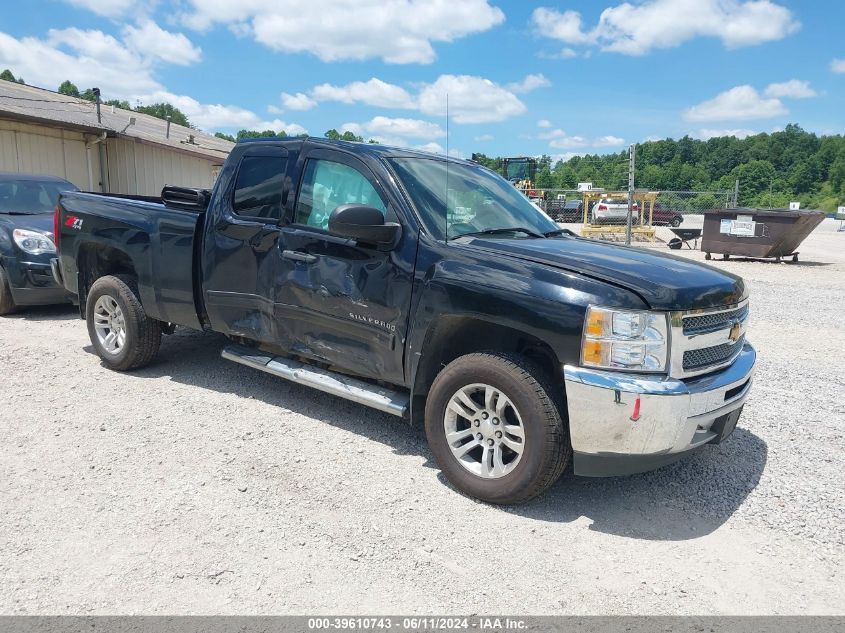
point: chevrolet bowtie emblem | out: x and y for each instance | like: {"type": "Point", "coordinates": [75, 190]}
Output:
{"type": "Point", "coordinates": [736, 332]}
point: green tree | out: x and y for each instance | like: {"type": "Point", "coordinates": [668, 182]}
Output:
{"type": "Point", "coordinates": [118, 103]}
{"type": "Point", "coordinates": [164, 110]}
{"type": "Point", "coordinates": [334, 135]}
{"type": "Point", "coordinates": [68, 88]}
{"type": "Point", "coordinates": [88, 95]}
{"type": "Point", "coordinates": [264, 134]}
{"type": "Point", "coordinates": [226, 137]}
{"type": "Point", "coordinates": [7, 75]}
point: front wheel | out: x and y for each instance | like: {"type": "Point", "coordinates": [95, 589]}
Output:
{"type": "Point", "coordinates": [495, 428]}
{"type": "Point", "coordinates": [121, 332]}
{"type": "Point", "coordinates": [676, 222]}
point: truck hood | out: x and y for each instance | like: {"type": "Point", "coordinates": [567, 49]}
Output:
{"type": "Point", "coordinates": [35, 221]}
{"type": "Point", "coordinates": [664, 281]}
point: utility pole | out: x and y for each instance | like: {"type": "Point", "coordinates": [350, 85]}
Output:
{"type": "Point", "coordinates": [632, 153]}
{"type": "Point", "coordinates": [736, 194]}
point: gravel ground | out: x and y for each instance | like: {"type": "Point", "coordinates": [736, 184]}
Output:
{"type": "Point", "coordinates": [200, 486]}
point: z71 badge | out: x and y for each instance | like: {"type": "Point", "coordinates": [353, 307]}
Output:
{"type": "Point", "coordinates": [73, 222]}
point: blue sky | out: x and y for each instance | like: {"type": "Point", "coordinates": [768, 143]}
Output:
{"type": "Point", "coordinates": [523, 77]}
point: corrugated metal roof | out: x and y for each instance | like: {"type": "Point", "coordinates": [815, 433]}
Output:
{"type": "Point", "coordinates": [29, 102]}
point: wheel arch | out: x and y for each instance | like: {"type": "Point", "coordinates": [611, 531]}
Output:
{"type": "Point", "coordinates": [94, 261]}
{"type": "Point", "coordinates": [456, 335]}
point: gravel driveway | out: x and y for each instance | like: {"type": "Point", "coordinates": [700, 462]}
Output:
{"type": "Point", "coordinates": [200, 486]}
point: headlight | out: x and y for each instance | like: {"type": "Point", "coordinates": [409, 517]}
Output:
{"type": "Point", "coordinates": [33, 242]}
{"type": "Point", "coordinates": [625, 339]}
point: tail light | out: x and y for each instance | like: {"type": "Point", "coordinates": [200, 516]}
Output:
{"type": "Point", "coordinates": [56, 228]}
{"type": "Point", "coordinates": [602, 207]}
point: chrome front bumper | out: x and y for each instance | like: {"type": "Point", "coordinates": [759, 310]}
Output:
{"type": "Point", "coordinates": [622, 423]}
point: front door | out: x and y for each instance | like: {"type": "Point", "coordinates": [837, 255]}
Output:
{"type": "Point", "coordinates": [341, 302]}
{"type": "Point", "coordinates": [240, 257]}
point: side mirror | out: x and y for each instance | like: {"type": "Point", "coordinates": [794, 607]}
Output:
{"type": "Point", "coordinates": [363, 223]}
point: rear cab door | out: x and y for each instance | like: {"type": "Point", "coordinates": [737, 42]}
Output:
{"type": "Point", "coordinates": [240, 255]}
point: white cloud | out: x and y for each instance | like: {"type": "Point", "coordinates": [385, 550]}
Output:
{"type": "Point", "coordinates": [737, 104]}
{"type": "Point", "coordinates": [108, 8]}
{"type": "Point", "coordinates": [93, 58]}
{"type": "Point", "coordinates": [544, 123]}
{"type": "Point", "coordinates": [374, 92]}
{"type": "Point", "coordinates": [837, 65]}
{"type": "Point", "coordinates": [149, 39]}
{"type": "Point", "coordinates": [556, 133]}
{"type": "Point", "coordinates": [386, 129]}
{"type": "Point", "coordinates": [792, 89]}
{"type": "Point", "coordinates": [565, 26]}
{"type": "Point", "coordinates": [569, 142]}
{"type": "Point", "coordinates": [484, 138]}
{"type": "Point", "coordinates": [636, 29]}
{"type": "Point", "coordinates": [210, 116]}
{"type": "Point", "coordinates": [561, 140]}
{"type": "Point", "coordinates": [299, 101]}
{"type": "Point", "coordinates": [707, 133]}
{"type": "Point", "coordinates": [275, 109]}
{"type": "Point", "coordinates": [87, 58]}
{"type": "Point", "coordinates": [396, 31]}
{"type": "Point", "coordinates": [531, 82]}
{"type": "Point", "coordinates": [471, 99]}
{"type": "Point", "coordinates": [434, 148]}
{"type": "Point", "coordinates": [608, 141]}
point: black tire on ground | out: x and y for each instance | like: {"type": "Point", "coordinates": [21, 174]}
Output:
{"type": "Point", "coordinates": [143, 334]}
{"type": "Point", "coordinates": [547, 447]}
{"type": "Point", "coordinates": [7, 302]}
{"type": "Point", "coordinates": [676, 221]}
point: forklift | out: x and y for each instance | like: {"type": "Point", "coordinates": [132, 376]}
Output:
{"type": "Point", "coordinates": [520, 171]}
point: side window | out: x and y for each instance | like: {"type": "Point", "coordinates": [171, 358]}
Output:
{"type": "Point", "coordinates": [258, 188]}
{"type": "Point", "coordinates": [327, 185]}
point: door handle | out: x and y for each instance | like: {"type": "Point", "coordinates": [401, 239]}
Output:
{"type": "Point", "coordinates": [299, 257]}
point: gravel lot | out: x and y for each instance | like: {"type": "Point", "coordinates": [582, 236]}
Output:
{"type": "Point", "coordinates": [200, 486]}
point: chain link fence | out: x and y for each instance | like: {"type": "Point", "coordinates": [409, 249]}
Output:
{"type": "Point", "coordinates": [651, 208]}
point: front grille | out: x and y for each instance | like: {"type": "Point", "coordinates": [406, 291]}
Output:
{"type": "Point", "coordinates": [713, 321]}
{"type": "Point", "coordinates": [707, 356]}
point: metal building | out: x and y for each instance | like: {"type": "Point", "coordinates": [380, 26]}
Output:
{"type": "Point", "coordinates": [123, 152]}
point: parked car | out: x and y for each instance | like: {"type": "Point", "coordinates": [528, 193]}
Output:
{"type": "Point", "coordinates": [518, 346]}
{"type": "Point", "coordinates": [613, 211]}
{"type": "Point", "coordinates": [26, 240]}
{"type": "Point", "coordinates": [568, 211]}
{"type": "Point", "coordinates": [664, 216]}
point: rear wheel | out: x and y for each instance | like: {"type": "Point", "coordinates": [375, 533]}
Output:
{"type": "Point", "coordinates": [7, 302]}
{"type": "Point", "coordinates": [495, 428]}
{"type": "Point", "coordinates": [121, 332]}
{"type": "Point", "coordinates": [676, 222]}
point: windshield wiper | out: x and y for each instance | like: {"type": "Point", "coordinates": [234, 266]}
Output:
{"type": "Point", "coordinates": [560, 232]}
{"type": "Point", "coordinates": [512, 229]}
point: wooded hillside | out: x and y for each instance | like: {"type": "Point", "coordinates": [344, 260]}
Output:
{"type": "Point", "coordinates": [773, 169]}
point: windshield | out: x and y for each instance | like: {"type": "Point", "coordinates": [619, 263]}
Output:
{"type": "Point", "coordinates": [471, 200]}
{"type": "Point", "coordinates": [31, 196]}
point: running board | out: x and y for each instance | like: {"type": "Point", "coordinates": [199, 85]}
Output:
{"type": "Point", "coordinates": [381, 398]}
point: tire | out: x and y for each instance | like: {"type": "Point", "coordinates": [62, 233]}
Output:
{"type": "Point", "coordinates": [141, 335]}
{"type": "Point", "coordinates": [7, 302]}
{"type": "Point", "coordinates": [676, 222]}
{"type": "Point", "coordinates": [531, 405]}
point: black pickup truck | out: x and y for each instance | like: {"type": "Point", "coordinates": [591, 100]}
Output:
{"type": "Point", "coordinates": [430, 289]}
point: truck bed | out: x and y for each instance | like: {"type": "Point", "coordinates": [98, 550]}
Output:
{"type": "Point", "coordinates": [158, 243]}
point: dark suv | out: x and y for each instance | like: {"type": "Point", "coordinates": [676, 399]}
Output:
{"type": "Point", "coordinates": [26, 240]}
